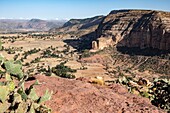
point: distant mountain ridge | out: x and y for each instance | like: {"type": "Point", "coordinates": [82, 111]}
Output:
{"type": "Point", "coordinates": [79, 27]}
{"type": "Point", "coordinates": [21, 25]}
{"type": "Point", "coordinates": [129, 28]}
{"type": "Point", "coordinates": [95, 20]}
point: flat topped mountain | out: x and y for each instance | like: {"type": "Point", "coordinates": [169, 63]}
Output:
{"type": "Point", "coordinates": [135, 28]}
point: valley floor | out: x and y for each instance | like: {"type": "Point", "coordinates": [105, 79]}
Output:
{"type": "Point", "coordinates": [39, 54]}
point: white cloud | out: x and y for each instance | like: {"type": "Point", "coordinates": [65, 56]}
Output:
{"type": "Point", "coordinates": [5, 18]}
{"type": "Point", "coordinates": [56, 18]}
{"type": "Point", "coordinates": [21, 18]}
{"type": "Point", "coordinates": [2, 18]}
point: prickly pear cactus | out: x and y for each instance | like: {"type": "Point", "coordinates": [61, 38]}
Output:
{"type": "Point", "coordinates": [4, 91]}
{"type": "Point", "coordinates": [14, 69]}
{"type": "Point", "coordinates": [47, 96]}
{"type": "Point", "coordinates": [14, 98]}
{"type": "Point", "coordinates": [0, 45]}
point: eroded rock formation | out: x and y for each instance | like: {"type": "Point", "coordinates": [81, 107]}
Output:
{"type": "Point", "coordinates": [135, 28]}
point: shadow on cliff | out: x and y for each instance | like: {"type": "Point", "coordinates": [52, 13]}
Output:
{"type": "Point", "coordinates": [143, 22]}
{"type": "Point", "coordinates": [83, 42]}
{"type": "Point", "coordinates": [145, 52]}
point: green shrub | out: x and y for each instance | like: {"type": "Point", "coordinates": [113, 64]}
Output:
{"type": "Point", "coordinates": [14, 98]}
{"type": "Point", "coordinates": [31, 52]}
{"type": "Point", "coordinates": [49, 54]}
{"type": "Point", "coordinates": [63, 71]}
{"type": "Point", "coordinates": [86, 53]}
{"type": "Point", "coordinates": [36, 60]}
{"type": "Point", "coordinates": [161, 94]}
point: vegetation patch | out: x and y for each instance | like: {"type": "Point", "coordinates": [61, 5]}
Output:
{"type": "Point", "coordinates": [14, 98]}
{"type": "Point", "coordinates": [63, 71]}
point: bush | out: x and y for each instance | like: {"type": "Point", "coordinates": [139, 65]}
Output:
{"type": "Point", "coordinates": [36, 60]}
{"type": "Point", "coordinates": [31, 52]}
{"type": "Point", "coordinates": [14, 98]}
{"type": "Point", "coordinates": [161, 94]}
{"type": "Point", "coordinates": [86, 53]}
{"type": "Point", "coordinates": [49, 54]}
{"type": "Point", "coordinates": [63, 71]}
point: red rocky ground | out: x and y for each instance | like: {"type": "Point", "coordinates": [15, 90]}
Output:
{"type": "Point", "coordinates": [75, 96]}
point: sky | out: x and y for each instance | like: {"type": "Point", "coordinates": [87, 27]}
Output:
{"type": "Point", "coordinates": [68, 9]}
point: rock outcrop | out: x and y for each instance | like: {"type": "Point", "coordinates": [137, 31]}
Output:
{"type": "Point", "coordinates": [135, 28]}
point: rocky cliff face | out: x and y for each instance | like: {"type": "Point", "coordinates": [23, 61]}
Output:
{"type": "Point", "coordinates": [135, 28]}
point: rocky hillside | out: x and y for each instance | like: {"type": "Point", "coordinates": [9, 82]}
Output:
{"type": "Point", "coordinates": [11, 25]}
{"type": "Point", "coordinates": [74, 96]}
{"type": "Point", "coordinates": [79, 27]}
{"type": "Point", "coordinates": [135, 28]}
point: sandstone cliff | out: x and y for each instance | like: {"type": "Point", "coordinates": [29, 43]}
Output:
{"type": "Point", "coordinates": [135, 28]}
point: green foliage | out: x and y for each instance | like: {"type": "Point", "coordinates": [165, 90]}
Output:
{"type": "Point", "coordinates": [11, 85]}
{"type": "Point", "coordinates": [36, 60]}
{"type": "Point", "coordinates": [33, 95]}
{"type": "Point", "coordinates": [86, 53]}
{"type": "Point", "coordinates": [51, 52]}
{"type": "Point", "coordinates": [158, 92]}
{"type": "Point", "coordinates": [83, 68]}
{"type": "Point", "coordinates": [2, 59]}
{"type": "Point", "coordinates": [26, 64]}
{"type": "Point", "coordinates": [4, 107]}
{"type": "Point", "coordinates": [31, 52]}
{"type": "Point", "coordinates": [145, 94]}
{"type": "Point", "coordinates": [4, 91]}
{"type": "Point", "coordinates": [65, 51]}
{"type": "Point", "coordinates": [123, 79]}
{"type": "Point", "coordinates": [154, 64]}
{"type": "Point", "coordinates": [27, 53]}
{"type": "Point", "coordinates": [16, 56]}
{"type": "Point", "coordinates": [22, 108]}
{"type": "Point", "coordinates": [63, 71]}
{"type": "Point", "coordinates": [48, 72]}
{"type": "Point", "coordinates": [12, 50]}
{"type": "Point", "coordinates": [13, 96]}
{"type": "Point", "coordinates": [47, 96]}
{"type": "Point", "coordinates": [161, 93]}
{"type": "Point", "coordinates": [14, 68]}
{"type": "Point", "coordinates": [0, 45]}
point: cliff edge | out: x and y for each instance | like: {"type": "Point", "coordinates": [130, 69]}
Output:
{"type": "Point", "coordinates": [135, 28]}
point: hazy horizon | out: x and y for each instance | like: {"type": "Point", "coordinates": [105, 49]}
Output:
{"type": "Point", "coordinates": [68, 9]}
